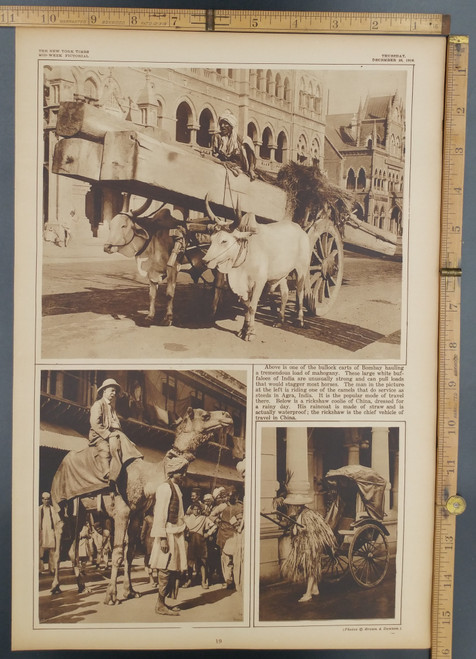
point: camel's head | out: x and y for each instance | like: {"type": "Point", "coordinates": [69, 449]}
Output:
{"type": "Point", "coordinates": [197, 427]}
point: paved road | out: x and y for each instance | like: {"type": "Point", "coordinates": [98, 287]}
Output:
{"type": "Point", "coordinates": [216, 604]}
{"type": "Point", "coordinates": [94, 306]}
{"type": "Point", "coordinates": [338, 601]}
{"type": "Point", "coordinates": [344, 600]}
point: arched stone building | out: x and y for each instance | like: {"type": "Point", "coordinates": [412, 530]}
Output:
{"type": "Point", "coordinates": [365, 154]}
{"type": "Point", "coordinates": [280, 110]}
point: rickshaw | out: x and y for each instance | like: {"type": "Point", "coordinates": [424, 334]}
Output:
{"type": "Point", "coordinates": [356, 517]}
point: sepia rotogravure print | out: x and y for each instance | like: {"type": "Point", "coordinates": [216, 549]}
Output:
{"type": "Point", "coordinates": [323, 149]}
{"type": "Point", "coordinates": [225, 340]}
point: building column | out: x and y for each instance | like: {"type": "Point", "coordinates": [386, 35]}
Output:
{"type": "Point", "coordinates": [193, 128]}
{"type": "Point", "coordinates": [53, 181]}
{"type": "Point", "coordinates": [270, 533]}
{"type": "Point", "coordinates": [352, 444]}
{"type": "Point", "coordinates": [297, 463]}
{"type": "Point", "coordinates": [269, 481]}
{"type": "Point", "coordinates": [380, 459]}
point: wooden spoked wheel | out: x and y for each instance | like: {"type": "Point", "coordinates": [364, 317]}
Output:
{"type": "Point", "coordinates": [326, 268]}
{"type": "Point", "coordinates": [368, 556]}
{"type": "Point", "coordinates": [334, 565]}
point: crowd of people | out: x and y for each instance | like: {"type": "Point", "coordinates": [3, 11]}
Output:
{"type": "Point", "coordinates": [197, 544]}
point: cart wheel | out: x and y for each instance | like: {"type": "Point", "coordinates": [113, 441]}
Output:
{"type": "Point", "coordinates": [334, 566]}
{"type": "Point", "coordinates": [326, 267]}
{"type": "Point", "coordinates": [368, 556]}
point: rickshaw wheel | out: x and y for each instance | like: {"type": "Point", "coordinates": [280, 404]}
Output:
{"type": "Point", "coordinates": [334, 566]}
{"type": "Point", "coordinates": [368, 556]}
{"type": "Point", "coordinates": [326, 268]}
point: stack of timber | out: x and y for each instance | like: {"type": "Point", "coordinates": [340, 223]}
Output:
{"type": "Point", "coordinates": [100, 148]}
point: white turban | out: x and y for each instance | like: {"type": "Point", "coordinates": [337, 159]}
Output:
{"type": "Point", "coordinates": [229, 117]}
{"type": "Point", "coordinates": [217, 491]}
{"type": "Point", "coordinates": [175, 464]}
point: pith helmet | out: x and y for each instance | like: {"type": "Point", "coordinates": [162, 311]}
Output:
{"type": "Point", "coordinates": [109, 383]}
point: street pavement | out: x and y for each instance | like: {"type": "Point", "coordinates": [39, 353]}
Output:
{"type": "Point", "coordinates": [344, 600]}
{"type": "Point", "coordinates": [278, 602]}
{"type": "Point", "coordinates": [217, 604]}
{"type": "Point", "coordinates": [94, 307]}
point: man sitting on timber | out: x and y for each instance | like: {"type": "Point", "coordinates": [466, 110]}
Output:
{"type": "Point", "coordinates": [231, 149]}
{"type": "Point", "coordinates": [114, 448]}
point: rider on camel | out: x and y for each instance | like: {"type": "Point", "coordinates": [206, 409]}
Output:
{"type": "Point", "coordinates": [114, 448]}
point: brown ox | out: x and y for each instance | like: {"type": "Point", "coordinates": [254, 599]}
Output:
{"type": "Point", "coordinates": [151, 247]}
{"type": "Point", "coordinates": [264, 254]}
{"type": "Point", "coordinates": [157, 252]}
{"type": "Point", "coordinates": [137, 485]}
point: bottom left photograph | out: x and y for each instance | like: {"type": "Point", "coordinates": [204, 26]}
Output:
{"type": "Point", "coordinates": [141, 483]}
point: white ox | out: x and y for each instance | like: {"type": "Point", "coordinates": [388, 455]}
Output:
{"type": "Point", "coordinates": [264, 254]}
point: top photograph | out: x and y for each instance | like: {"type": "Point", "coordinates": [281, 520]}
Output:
{"type": "Point", "coordinates": [222, 213]}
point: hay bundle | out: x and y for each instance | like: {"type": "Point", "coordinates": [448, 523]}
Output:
{"type": "Point", "coordinates": [310, 192]}
{"type": "Point", "coordinates": [307, 547]}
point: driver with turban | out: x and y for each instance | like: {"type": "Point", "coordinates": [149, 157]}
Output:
{"type": "Point", "coordinates": [235, 152]}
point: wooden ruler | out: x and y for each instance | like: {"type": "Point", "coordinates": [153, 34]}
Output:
{"type": "Point", "coordinates": [223, 20]}
{"type": "Point", "coordinates": [448, 503]}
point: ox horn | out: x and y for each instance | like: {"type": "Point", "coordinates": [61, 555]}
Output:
{"type": "Point", "coordinates": [142, 209]}
{"type": "Point", "coordinates": [126, 199]}
{"type": "Point", "coordinates": [218, 220]}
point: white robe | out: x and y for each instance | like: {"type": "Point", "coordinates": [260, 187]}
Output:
{"type": "Point", "coordinates": [176, 558]}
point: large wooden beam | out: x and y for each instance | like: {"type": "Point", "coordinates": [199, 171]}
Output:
{"type": "Point", "coordinates": [89, 122]}
{"type": "Point", "coordinates": [83, 120]}
{"type": "Point", "coordinates": [170, 173]}
{"type": "Point", "coordinates": [78, 158]}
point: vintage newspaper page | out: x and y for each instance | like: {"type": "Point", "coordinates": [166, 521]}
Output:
{"type": "Point", "coordinates": [226, 304]}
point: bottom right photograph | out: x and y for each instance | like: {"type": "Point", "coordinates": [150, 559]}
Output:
{"type": "Point", "coordinates": [328, 523]}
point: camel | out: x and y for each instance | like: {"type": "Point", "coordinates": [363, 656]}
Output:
{"type": "Point", "coordinates": [137, 485]}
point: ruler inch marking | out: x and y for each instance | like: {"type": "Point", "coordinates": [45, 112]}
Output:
{"type": "Point", "coordinates": [454, 134]}
{"type": "Point", "coordinates": [452, 200]}
{"type": "Point", "coordinates": [224, 20]}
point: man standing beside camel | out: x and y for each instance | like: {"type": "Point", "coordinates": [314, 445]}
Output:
{"type": "Point", "coordinates": [169, 553]}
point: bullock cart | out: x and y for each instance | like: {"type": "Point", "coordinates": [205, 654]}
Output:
{"type": "Point", "coordinates": [356, 516]}
{"type": "Point", "coordinates": [122, 158]}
